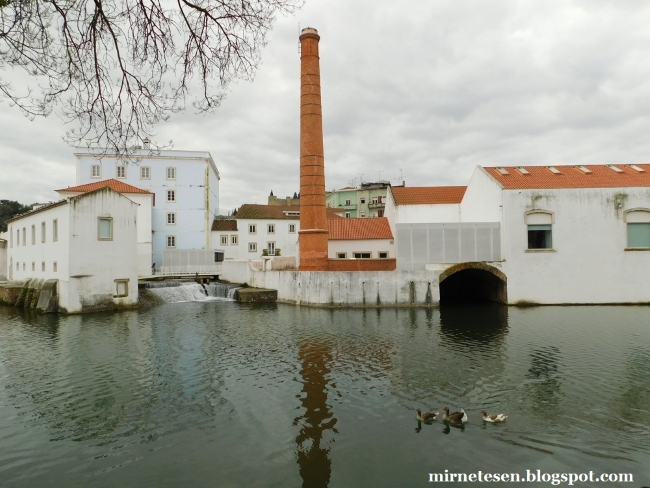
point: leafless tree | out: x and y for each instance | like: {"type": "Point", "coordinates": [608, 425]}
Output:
{"type": "Point", "coordinates": [117, 67]}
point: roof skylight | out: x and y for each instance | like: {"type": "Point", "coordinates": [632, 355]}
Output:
{"type": "Point", "coordinates": [553, 169]}
{"type": "Point", "coordinates": [636, 168]}
{"type": "Point", "coordinates": [503, 171]}
{"type": "Point", "coordinates": [614, 168]}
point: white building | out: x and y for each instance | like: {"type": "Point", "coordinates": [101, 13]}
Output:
{"type": "Point", "coordinates": [360, 238]}
{"type": "Point", "coordinates": [143, 198]}
{"type": "Point", "coordinates": [536, 234]}
{"type": "Point", "coordinates": [186, 188]}
{"type": "Point", "coordinates": [88, 243]}
{"type": "Point", "coordinates": [258, 230]}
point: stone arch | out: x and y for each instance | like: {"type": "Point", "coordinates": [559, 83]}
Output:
{"type": "Point", "coordinates": [473, 281]}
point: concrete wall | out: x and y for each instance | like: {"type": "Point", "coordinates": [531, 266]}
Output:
{"type": "Point", "coordinates": [589, 262]}
{"type": "Point", "coordinates": [352, 288]}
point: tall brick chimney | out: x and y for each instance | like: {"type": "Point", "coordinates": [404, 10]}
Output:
{"type": "Point", "coordinates": [313, 220]}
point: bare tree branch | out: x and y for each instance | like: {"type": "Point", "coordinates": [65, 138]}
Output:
{"type": "Point", "coordinates": [117, 67]}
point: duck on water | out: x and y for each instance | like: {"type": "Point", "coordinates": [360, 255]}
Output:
{"type": "Point", "coordinates": [456, 418]}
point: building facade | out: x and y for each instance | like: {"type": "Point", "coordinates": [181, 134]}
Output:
{"type": "Point", "coordinates": [186, 189]}
{"type": "Point", "coordinates": [143, 198]}
{"type": "Point", "coordinates": [368, 200]}
{"type": "Point", "coordinates": [88, 243]}
{"type": "Point", "coordinates": [534, 235]}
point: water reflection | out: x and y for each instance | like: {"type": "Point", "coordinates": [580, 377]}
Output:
{"type": "Point", "coordinates": [317, 422]}
{"type": "Point", "coordinates": [544, 389]}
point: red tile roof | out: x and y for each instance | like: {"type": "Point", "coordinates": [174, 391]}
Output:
{"type": "Point", "coordinates": [117, 185]}
{"type": "Point", "coordinates": [598, 176]}
{"type": "Point", "coordinates": [220, 224]}
{"type": "Point", "coordinates": [254, 211]}
{"type": "Point", "coordinates": [360, 228]}
{"type": "Point", "coordinates": [427, 195]}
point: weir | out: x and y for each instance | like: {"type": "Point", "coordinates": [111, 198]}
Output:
{"type": "Point", "coordinates": [186, 291]}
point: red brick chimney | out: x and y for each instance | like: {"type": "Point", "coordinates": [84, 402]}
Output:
{"type": "Point", "coordinates": [313, 220]}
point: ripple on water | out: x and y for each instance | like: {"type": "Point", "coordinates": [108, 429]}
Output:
{"type": "Point", "coordinates": [209, 389]}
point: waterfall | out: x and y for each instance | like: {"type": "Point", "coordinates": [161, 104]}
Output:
{"type": "Point", "coordinates": [187, 291]}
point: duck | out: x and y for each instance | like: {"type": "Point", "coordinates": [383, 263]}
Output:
{"type": "Point", "coordinates": [495, 417]}
{"type": "Point", "coordinates": [455, 417]}
{"type": "Point", "coordinates": [427, 416]}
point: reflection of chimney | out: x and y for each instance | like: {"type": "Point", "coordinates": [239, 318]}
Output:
{"type": "Point", "coordinates": [313, 222]}
{"type": "Point", "coordinates": [146, 143]}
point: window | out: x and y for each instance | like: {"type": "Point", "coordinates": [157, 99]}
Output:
{"type": "Point", "coordinates": [55, 230]}
{"type": "Point", "coordinates": [171, 173]}
{"type": "Point", "coordinates": [638, 235]}
{"type": "Point", "coordinates": [341, 255]}
{"type": "Point", "coordinates": [292, 228]}
{"type": "Point", "coordinates": [361, 255]}
{"type": "Point", "coordinates": [383, 255]}
{"type": "Point", "coordinates": [540, 237]}
{"type": "Point", "coordinates": [33, 266]}
{"type": "Point", "coordinates": [55, 266]}
{"type": "Point", "coordinates": [270, 229]}
{"type": "Point", "coordinates": [363, 201]}
{"type": "Point", "coordinates": [17, 237]}
{"type": "Point", "coordinates": [33, 235]}
{"type": "Point", "coordinates": [42, 231]}
{"type": "Point", "coordinates": [270, 248]}
{"type": "Point", "coordinates": [233, 240]}
{"type": "Point", "coordinates": [252, 229]}
{"type": "Point", "coordinates": [540, 234]}
{"type": "Point", "coordinates": [105, 229]}
{"type": "Point", "coordinates": [252, 247]}
{"type": "Point", "coordinates": [43, 266]}
{"type": "Point", "coordinates": [380, 213]}
{"type": "Point", "coordinates": [362, 214]}
{"type": "Point", "coordinates": [171, 241]}
{"type": "Point", "coordinates": [348, 215]}
{"type": "Point", "coordinates": [23, 266]}
{"type": "Point", "coordinates": [224, 240]}
{"type": "Point", "coordinates": [121, 171]}
{"type": "Point", "coordinates": [145, 173]}
{"type": "Point", "coordinates": [95, 171]}
{"type": "Point", "coordinates": [121, 288]}
{"type": "Point", "coordinates": [171, 218]}
{"type": "Point", "coordinates": [218, 257]}
{"type": "Point", "coordinates": [374, 200]}
{"type": "Point", "coordinates": [17, 266]}
{"type": "Point", "coordinates": [171, 195]}
{"type": "Point", "coordinates": [24, 236]}
{"type": "Point", "coordinates": [638, 228]}
{"type": "Point", "coordinates": [348, 202]}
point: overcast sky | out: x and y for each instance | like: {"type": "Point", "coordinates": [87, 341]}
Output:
{"type": "Point", "coordinates": [420, 89]}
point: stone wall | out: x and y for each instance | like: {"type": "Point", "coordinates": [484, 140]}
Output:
{"type": "Point", "coordinates": [342, 288]}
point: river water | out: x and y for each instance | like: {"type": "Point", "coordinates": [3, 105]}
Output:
{"type": "Point", "coordinates": [222, 394]}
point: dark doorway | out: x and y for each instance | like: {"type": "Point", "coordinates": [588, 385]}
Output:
{"type": "Point", "coordinates": [471, 282]}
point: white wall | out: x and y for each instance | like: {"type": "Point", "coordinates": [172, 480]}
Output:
{"type": "Point", "coordinates": [374, 246]}
{"type": "Point", "coordinates": [284, 240]}
{"type": "Point", "coordinates": [482, 200]}
{"type": "Point", "coordinates": [348, 288]}
{"type": "Point", "coordinates": [588, 263]}
{"type": "Point", "coordinates": [95, 264]}
{"type": "Point", "coordinates": [144, 216]}
{"type": "Point", "coordinates": [3, 256]}
{"type": "Point", "coordinates": [22, 254]}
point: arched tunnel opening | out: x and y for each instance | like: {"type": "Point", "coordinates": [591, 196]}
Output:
{"type": "Point", "coordinates": [472, 284]}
